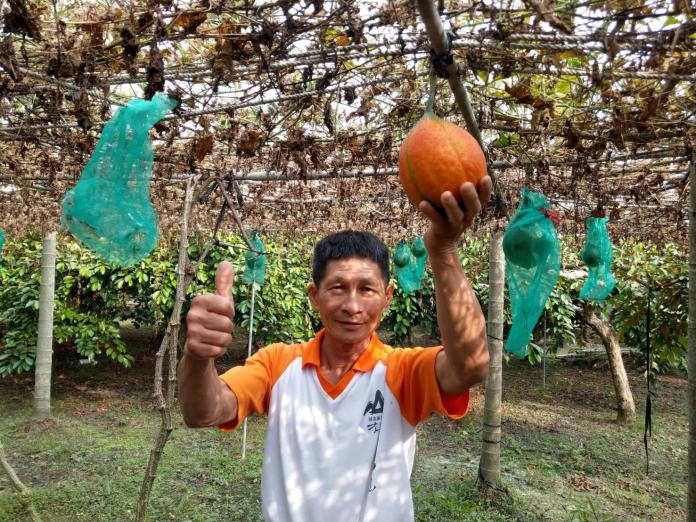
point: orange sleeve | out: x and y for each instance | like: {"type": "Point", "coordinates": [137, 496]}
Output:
{"type": "Point", "coordinates": [411, 378]}
{"type": "Point", "coordinates": [252, 382]}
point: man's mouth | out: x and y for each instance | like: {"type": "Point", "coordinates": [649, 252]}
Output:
{"type": "Point", "coordinates": [347, 324]}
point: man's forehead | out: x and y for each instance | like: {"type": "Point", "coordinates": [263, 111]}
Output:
{"type": "Point", "coordinates": [360, 266]}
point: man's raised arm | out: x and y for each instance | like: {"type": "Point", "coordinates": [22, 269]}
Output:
{"type": "Point", "coordinates": [205, 400]}
{"type": "Point", "coordinates": [464, 361]}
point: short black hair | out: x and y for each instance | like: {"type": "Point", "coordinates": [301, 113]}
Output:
{"type": "Point", "coordinates": [349, 243]}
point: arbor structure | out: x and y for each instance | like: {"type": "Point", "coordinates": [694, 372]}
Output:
{"type": "Point", "coordinates": [589, 103]}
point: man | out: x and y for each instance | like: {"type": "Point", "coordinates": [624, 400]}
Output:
{"type": "Point", "coordinates": [343, 407]}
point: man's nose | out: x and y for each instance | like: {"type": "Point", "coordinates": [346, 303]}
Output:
{"type": "Point", "coordinates": [351, 304]}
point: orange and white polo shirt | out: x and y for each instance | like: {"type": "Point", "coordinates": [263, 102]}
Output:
{"type": "Point", "coordinates": [340, 453]}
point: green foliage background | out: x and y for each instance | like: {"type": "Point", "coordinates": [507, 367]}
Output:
{"type": "Point", "coordinates": [93, 297]}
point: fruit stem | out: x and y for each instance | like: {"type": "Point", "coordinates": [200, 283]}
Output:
{"type": "Point", "coordinates": [431, 94]}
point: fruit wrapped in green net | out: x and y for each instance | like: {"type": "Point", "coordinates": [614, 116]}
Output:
{"type": "Point", "coordinates": [406, 268]}
{"type": "Point", "coordinates": [109, 209]}
{"type": "Point", "coordinates": [533, 264]}
{"type": "Point", "coordinates": [421, 258]}
{"type": "Point", "coordinates": [255, 262]}
{"type": "Point", "coordinates": [597, 255]}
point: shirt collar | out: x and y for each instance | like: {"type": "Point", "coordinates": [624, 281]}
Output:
{"type": "Point", "coordinates": [311, 353]}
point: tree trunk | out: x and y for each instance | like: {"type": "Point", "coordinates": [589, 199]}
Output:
{"type": "Point", "coordinates": [44, 347]}
{"type": "Point", "coordinates": [691, 404]}
{"type": "Point", "coordinates": [622, 388]}
{"type": "Point", "coordinates": [489, 468]}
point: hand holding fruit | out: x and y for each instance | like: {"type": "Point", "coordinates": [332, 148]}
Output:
{"type": "Point", "coordinates": [445, 231]}
{"type": "Point", "coordinates": [210, 318]}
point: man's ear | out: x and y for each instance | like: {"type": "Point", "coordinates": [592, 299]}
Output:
{"type": "Point", "coordinates": [390, 294]}
{"type": "Point", "coordinates": [312, 293]}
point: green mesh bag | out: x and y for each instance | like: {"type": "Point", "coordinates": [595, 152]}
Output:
{"type": "Point", "coordinates": [255, 263]}
{"type": "Point", "coordinates": [2, 241]}
{"type": "Point", "coordinates": [597, 255]}
{"type": "Point", "coordinates": [406, 268]}
{"type": "Point", "coordinates": [421, 256]}
{"type": "Point", "coordinates": [109, 209]}
{"type": "Point", "coordinates": [533, 263]}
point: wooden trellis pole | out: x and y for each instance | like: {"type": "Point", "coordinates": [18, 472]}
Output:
{"type": "Point", "coordinates": [169, 349]}
{"type": "Point", "coordinates": [489, 470]}
{"type": "Point", "coordinates": [44, 345]}
{"type": "Point", "coordinates": [489, 467]}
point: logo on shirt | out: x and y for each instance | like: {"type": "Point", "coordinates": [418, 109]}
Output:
{"type": "Point", "coordinates": [374, 410]}
{"type": "Point", "coordinates": [376, 406]}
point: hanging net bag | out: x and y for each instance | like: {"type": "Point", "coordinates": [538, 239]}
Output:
{"type": "Point", "coordinates": [255, 263]}
{"type": "Point", "coordinates": [2, 241]}
{"type": "Point", "coordinates": [109, 210]}
{"type": "Point", "coordinates": [597, 255]}
{"type": "Point", "coordinates": [406, 269]}
{"type": "Point", "coordinates": [410, 264]}
{"type": "Point", "coordinates": [421, 258]}
{"type": "Point", "coordinates": [533, 264]}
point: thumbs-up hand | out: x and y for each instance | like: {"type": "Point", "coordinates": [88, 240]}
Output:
{"type": "Point", "coordinates": [210, 318]}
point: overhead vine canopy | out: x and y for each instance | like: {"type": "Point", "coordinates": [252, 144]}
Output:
{"type": "Point", "coordinates": [299, 107]}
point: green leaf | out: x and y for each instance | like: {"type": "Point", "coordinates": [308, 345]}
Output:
{"type": "Point", "coordinates": [563, 87]}
{"type": "Point", "coordinates": [670, 20]}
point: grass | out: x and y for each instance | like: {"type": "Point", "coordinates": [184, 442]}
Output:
{"type": "Point", "coordinates": [563, 456]}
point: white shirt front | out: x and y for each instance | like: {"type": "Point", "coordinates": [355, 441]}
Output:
{"type": "Point", "coordinates": [347, 459]}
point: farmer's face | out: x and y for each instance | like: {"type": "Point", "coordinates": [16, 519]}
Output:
{"type": "Point", "coordinates": [351, 299]}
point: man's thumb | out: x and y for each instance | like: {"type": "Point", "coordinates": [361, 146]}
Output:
{"type": "Point", "coordinates": [224, 279]}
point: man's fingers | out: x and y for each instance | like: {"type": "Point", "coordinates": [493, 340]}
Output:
{"type": "Point", "coordinates": [203, 350]}
{"type": "Point", "coordinates": [224, 279]}
{"type": "Point", "coordinates": [210, 317]}
{"type": "Point", "coordinates": [216, 321]}
{"type": "Point", "coordinates": [485, 190]}
{"type": "Point", "coordinates": [429, 211]}
{"type": "Point", "coordinates": [209, 326]}
{"type": "Point", "coordinates": [202, 304]}
{"type": "Point", "coordinates": [213, 338]}
{"type": "Point", "coordinates": [454, 211]}
{"type": "Point", "coordinates": [470, 202]}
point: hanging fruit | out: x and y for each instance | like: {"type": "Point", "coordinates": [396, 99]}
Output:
{"type": "Point", "coordinates": [401, 258]}
{"type": "Point", "coordinates": [437, 156]}
{"type": "Point", "coordinates": [524, 247]}
{"type": "Point", "coordinates": [418, 247]}
{"type": "Point", "coordinates": [591, 255]}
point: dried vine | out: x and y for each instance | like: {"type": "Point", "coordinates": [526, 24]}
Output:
{"type": "Point", "coordinates": [168, 349]}
{"type": "Point", "coordinates": [24, 492]}
{"type": "Point", "coordinates": [303, 88]}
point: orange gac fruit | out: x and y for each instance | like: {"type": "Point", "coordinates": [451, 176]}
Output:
{"type": "Point", "coordinates": [437, 156]}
